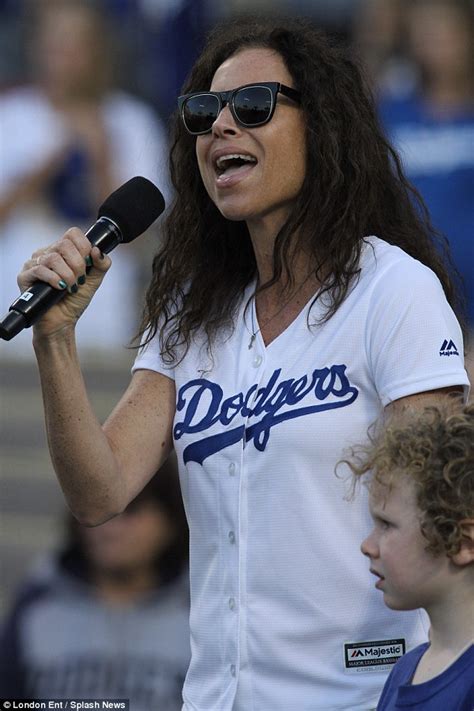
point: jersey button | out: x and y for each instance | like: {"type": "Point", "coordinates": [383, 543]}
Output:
{"type": "Point", "coordinates": [232, 468]}
{"type": "Point", "coordinates": [231, 536]}
{"type": "Point", "coordinates": [233, 670]}
{"type": "Point", "coordinates": [257, 361]}
{"type": "Point", "coordinates": [231, 603]}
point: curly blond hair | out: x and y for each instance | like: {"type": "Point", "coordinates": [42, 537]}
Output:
{"type": "Point", "coordinates": [434, 447]}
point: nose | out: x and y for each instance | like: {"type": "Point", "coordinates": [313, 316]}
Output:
{"type": "Point", "coordinates": [369, 546]}
{"type": "Point", "coordinates": [225, 123]}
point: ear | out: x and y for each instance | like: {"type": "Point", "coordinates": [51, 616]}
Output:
{"type": "Point", "coordinates": [465, 555]}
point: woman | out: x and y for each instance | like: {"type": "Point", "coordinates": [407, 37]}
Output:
{"type": "Point", "coordinates": [274, 333]}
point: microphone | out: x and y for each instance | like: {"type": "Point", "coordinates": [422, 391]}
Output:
{"type": "Point", "coordinates": [122, 217]}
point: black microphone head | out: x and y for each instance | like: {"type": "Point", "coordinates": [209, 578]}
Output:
{"type": "Point", "coordinates": [133, 207]}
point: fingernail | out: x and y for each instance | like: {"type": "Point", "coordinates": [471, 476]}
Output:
{"type": "Point", "coordinates": [73, 289]}
{"type": "Point", "coordinates": [88, 260]}
{"type": "Point", "coordinates": [62, 284]}
{"type": "Point", "coordinates": [102, 255]}
{"type": "Point", "coordinates": [81, 280]}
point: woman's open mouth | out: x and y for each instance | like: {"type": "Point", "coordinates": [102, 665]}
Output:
{"type": "Point", "coordinates": [232, 167]}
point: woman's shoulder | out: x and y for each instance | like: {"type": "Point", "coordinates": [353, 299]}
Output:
{"type": "Point", "coordinates": [382, 260]}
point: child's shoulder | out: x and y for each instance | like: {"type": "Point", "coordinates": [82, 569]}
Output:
{"type": "Point", "coordinates": [453, 688]}
{"type": "Point", "coordinates": [406, 665]}
{"type": "Point", "coordinates": [400, 675]}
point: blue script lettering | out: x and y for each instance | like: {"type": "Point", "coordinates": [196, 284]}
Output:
{"type": "Point", "coordinates": [207, 397]}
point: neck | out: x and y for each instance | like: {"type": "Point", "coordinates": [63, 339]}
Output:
{"type": "Point", "coordinates": [64, 97]}
{"type": "Point", "coordinates": [449, 629]}
{"type": "Point", "coordinates": [125, 586]}
{"type": "Point", "coordinates": [278, 305]}
{"type": "Point", "coordinates": [263, 236]}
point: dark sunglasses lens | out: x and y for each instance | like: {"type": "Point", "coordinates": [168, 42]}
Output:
{"type": "Point", "coordinates": [200, 112]}
{"type": "Point", "coordinates": [253, 105]}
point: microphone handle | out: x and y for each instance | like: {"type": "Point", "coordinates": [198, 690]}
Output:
{"type": "Point", "coordinates": [40, 296]}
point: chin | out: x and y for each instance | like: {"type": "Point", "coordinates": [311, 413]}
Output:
{"type": "Point", "coordinates": [235, 210]}
{"type": "Point", "coordinates": [400, 604]}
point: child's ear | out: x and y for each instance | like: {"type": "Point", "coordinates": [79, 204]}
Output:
{"type": "Point", "coordinates": [465, 555]}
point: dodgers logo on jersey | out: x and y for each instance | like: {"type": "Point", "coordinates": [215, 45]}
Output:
{"type": "Point", "coordinates": [203, 405]}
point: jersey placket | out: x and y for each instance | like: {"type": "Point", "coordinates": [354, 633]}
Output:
{"type": "Point", "coordinates": [256, 367]}
{"type": "Point", "coordinates": [229, 485]}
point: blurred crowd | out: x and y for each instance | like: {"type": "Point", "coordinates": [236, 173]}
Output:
{"type": "Point", "coordinates": [86, 89]}
{"type": "Point", "coordinates": [420, 59]}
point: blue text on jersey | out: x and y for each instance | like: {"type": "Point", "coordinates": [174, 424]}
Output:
{"type": "Point", "coordinates": [266, 401]}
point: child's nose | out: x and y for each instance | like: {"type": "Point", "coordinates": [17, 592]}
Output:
{"type": "Point", "coordinates": [368, 546]}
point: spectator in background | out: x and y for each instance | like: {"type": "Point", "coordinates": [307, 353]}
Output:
{"type": "Point", "coordinates": [107, 617]}
{"type": "Point", "coordinates": [175, 31]}
{"type": "Point", "coordinates": [378, 35]}
{"type": "Point", "coordinates": [433, 125]}
{"type": "Point", "coordinates": [69, 139]}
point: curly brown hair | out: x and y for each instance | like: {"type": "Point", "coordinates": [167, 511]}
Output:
{"type": "Point", "coordinates": [354, 187]}
{"type": "Point", "coordinates": [434, 448]}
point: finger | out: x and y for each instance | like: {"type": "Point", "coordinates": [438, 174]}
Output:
{"type": "Point", "coordinates": [100, 260]}
{"type": "Point", "coordinates": [73, 257]}
{"type": "Point", "coordinates": [73, 246]}
{"type": "Point", "coordinates": [40, 272]}
{"type": "Point", "coordinates": [52, 268]}
{"type": "Point", "coordinates": [76, 237]}
{"type": "Point", "coordinates": [35, 259]}
{"type": "Point", "coordinates": [92, 255]}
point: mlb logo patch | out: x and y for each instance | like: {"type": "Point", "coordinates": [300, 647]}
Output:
{"type": "Point", "coordinates": [379, 655]}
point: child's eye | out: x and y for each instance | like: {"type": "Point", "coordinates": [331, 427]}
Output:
{"type": "Point", "coordinates": [383, 523]}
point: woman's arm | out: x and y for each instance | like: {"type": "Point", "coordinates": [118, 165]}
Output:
{"type": "Point", "coordinates": [421, 400]}
{"type": "Point", "coordinates": [101, 469]}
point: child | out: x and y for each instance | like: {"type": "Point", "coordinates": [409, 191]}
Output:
{"type": "Point", "coordinates": [421, 549]}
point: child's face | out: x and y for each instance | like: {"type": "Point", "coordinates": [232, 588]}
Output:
{"type": "Point", "coordinates": [408, 575]}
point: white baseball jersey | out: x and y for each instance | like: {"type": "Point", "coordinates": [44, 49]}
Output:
{"type": "Point", "coordinates": [284, 613]}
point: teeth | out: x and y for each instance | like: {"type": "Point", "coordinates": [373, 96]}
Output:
{"type": "Point", "coordinates": [220, 163]}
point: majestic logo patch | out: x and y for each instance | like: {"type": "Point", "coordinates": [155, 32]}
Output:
{"type": "Point", "coordinates": [379, 655]}
{"type": "Point", "coordinates": [448, 348]}
{"type": "Point", "coordinates": [203, 405]}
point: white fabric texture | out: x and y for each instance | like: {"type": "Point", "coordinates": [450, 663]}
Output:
{"type": "Point", "coordinates": [278, 583]}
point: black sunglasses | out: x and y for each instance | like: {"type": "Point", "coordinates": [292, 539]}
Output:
{"type": "Point", "coordinates": [250, 105]}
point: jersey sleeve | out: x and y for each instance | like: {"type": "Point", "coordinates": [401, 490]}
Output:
{"type": "Point", "coordinates": [149, 357]}
{"type": "Point", "coordinates": [414, 342]}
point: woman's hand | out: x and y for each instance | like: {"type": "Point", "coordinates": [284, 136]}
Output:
{"type": "Point", "coordinates": [70, 264]}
